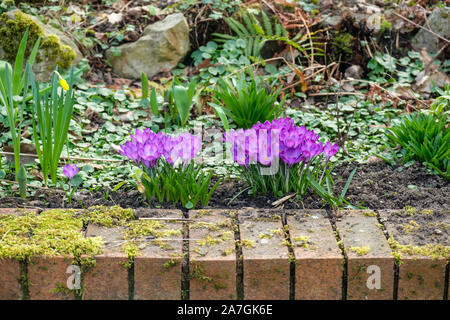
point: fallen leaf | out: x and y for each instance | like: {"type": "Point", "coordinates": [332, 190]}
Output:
{"type": "Point", "coordinates": [114, 18]}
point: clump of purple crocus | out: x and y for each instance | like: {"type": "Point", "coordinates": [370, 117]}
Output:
{"type": "Point", "coordinates": [280, 157]}
{"type": "Point", "coordinates": [147, 147]}
{"type": "Point", "coordinates": [280, 138]}
{"type": "Point", "coordinates": [70, 171]}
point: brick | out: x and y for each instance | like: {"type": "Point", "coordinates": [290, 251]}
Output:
{"type": "Point", "coordinates": [212, 256]}
{"type": "Point", "coordinates": [359, 229]}
{"type": "Point", "coordinates": [266, 256]}
{"type": "Point", "coordinates": [48, 278]}
{"type": "Point", "coordinates": [157, 270]}
{"type": "Point", "coordinates": [9, 279]}
{"type": "Point", "coordinates": [16, 211]}
{"type": "Point", "coordinates": [10, 268]}
{"type": "Point", "coordinates": [318, 268]}
{"type": "Point", "coordinates": [108, 279]}
{"type": "Point", "coordinates": [421, 277]}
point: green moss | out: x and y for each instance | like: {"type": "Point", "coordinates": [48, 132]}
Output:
{"type": "Point", "coordinates": [265, 235]}
{"type": "Point", "coordinates": [301, 241]}
{"type": "Point", "coordinates": [343, 43]}
{"type": "Point", "coordinates": [172, 262]}
{"type": "Point", "coordinates": [206, 225]}
{"type": "Point", "coordinates": [12, 31]}
{"type": "Point", "coordinates": [369, 214]}
{"type": "Point", "coordinates": [425, 211]}
{"type": "Point", "coordinates": [51, 233]}
{"type": "Point", "coordinates": [202, 213]}
{"type": "Point", "coordinates": [410, 210]}
{"type": "Point", "coordinates": [227, 252]}
{"type": "Point", "coordinates": [132, 250]}
{"type": "Point", "coordinates": [107, 216]}
{"type": "Point", "coordinates": [209, 241]}
{"type": "Point", "coordinates": [219, 286]}
{"type": "Point", "coordinates": [360, 251]}
{"type": "Point", "coordinates": [412, 226]}
{"type": "Point", "coordinates": [248, 244]}
{"type": "Point", "coordinates": [436, 251]}
{"type": "Point", "coordinates": [198, 273]}
{"type": "Point", "coordinates": [60, 288]}
{"type": "Point", "coordinates": [157, 230]}
{"type": "Point", "coordinates": [63, 55]}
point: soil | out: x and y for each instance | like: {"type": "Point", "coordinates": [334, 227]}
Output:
{"type": "Point", "coordinates": [419, 227]}
{"type": "Point", "coordinates": [374, 186]}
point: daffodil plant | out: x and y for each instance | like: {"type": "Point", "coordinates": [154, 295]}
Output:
{"type": "Point", "coordinates": [53, 110]}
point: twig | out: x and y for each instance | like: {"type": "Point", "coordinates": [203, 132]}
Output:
{"type": "Point", "coordinates": [31, 186]}
{"type": "Point", "coordinates": [388, 92]}
{"type": "Point", "coordinates": [168, 219]}
{"type": "Point", "coordinates": [422, 27]}
{"type": "Point", "coordinates": [310, 39]}
{"type": "Point", "coordinates": [64, 158]}
{"type": "Point", "coordinates": [335, 93]}
{"type": "Point", "coordinates": [283, 200]}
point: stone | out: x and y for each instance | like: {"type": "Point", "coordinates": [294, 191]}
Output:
{"type": "Point", "coordinates": [265, 256]}
{"type": "Point", "coordinates": [9, 279]}
{"type": "Point", "coordinates": [56, 48]}
{"type": "Point", "coordinates": [157, 269]}
{"type": "Point", "coordinates": [421, 267]}
{"type": "Point", "coordinates": [370, 264]}
{"type": "Point", "coordinates": [318, 261]}
{"type": "Point", "coordinates": [160, 48]}
{"type": "Point", "coordinates": [212, 256]}
{"type": "Point", "coordinates": [439, 22]}
{"type": "Point", "coordinates": [48, 278]}
{"type": "Point", "coordinates": [108, 279]}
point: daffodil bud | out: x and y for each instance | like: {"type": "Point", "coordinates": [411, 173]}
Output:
{"type": "Point", "coordinates": [62, 82]}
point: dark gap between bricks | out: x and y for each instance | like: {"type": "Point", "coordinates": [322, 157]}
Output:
{"type": "Point", "coordinates": [23, 279]}
{"type": "Point", "coordinates": [292, 260]}
{"type": "Point", "coordinates": [340, 243]}
{"type": "Point", "coordinates": [185, 263]}
{"type": "Point", "coordinates": [447, 280]}
{"type": "Point", "coordinates": [131, 281]}
{"type": "Point", "coordinates": [396, 264]}
{"type": "Point", "coordinates": [239, 256]}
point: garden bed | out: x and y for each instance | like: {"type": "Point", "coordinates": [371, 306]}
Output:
{"type": "Point", "coordinates": [374, 186]}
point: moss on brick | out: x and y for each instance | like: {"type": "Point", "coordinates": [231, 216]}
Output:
{"type": "Point", "coordinates": [360, 251]}
{"type": "Point", "coordinates": [436, 251]}
{"type": "Point", "coordinates": [107, 216]}
{"type": "Point", "coordinates": [51, 233]}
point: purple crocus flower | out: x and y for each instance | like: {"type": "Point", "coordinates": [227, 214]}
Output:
{"type": "Point", "coordinates": [147, 147]}
{"type": "Point", "coordinates": [70, 171]}
{"type": "Point", "coordinates": [330, 150]}
{"type": "Point", "coordinates": [295, 144]}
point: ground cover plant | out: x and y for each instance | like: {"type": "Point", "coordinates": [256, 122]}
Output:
{"type": "Point", "coordinates": [350, 101]}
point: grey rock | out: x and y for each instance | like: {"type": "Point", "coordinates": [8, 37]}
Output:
{"type": "Point", "coordinates": [439, 22]}
{"type": "Point", "coordinates": [160, 48]}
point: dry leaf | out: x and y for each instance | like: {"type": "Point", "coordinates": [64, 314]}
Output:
{"type": "Point", "coordinates": [114, 18]}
